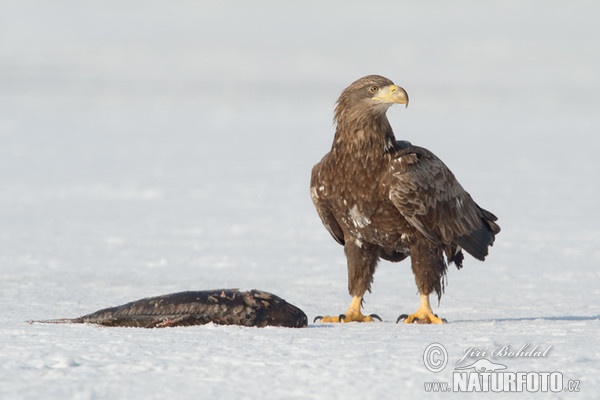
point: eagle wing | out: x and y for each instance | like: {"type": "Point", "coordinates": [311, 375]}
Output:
{"type": "Point", "coordinates": [428, 195]}
{"type": "Point", "coordinates": [321, 204]}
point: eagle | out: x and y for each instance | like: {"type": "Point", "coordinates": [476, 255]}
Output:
{"type": "Point", "coordinates": [382, 198]}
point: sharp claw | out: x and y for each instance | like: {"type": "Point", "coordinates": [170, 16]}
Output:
{"type": "Point", "coordinates": [375, 316]}
{"type": "Point", "coordinates": [342, 318]}
{"type": "Point", "coordinates": [419, 321]}
{"type": "Point", "coordinates": [401, 317]}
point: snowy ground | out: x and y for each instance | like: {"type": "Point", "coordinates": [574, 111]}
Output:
{"type": "Point", "coordinates": [155, 147]}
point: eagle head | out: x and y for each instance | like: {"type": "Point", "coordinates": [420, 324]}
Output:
{"type": "Point", "coordinates": [369, 95]}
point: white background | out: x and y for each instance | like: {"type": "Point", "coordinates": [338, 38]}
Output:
{"type": "Point", "coordinates": [152, 147]}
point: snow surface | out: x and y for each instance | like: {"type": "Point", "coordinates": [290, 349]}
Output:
{"type": "Point", "coordinates": [155, 147]}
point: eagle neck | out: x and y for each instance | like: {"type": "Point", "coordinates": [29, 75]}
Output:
{"type": "Point", "coordinates": [369, 135]}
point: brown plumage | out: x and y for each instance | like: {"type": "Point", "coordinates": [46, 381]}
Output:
{"type": "Point", "coordinates": [383, 198]}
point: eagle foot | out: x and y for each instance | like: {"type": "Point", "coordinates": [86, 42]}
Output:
{"type": "Point", "coordinates": [353, 317]}
{"type": "Point", "coordinates": [353, 314]}
{"type": "Point", "coordinates": [418, 318]}
{"type": "Point", "coordinates": [424, 315]}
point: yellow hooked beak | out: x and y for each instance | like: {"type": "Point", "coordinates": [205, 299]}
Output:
{"type": "Point", "coordinates": [392, 94]}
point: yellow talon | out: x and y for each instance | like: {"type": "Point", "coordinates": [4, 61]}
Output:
{"type": "Point", "coordinates": [424, 315]}
{"type": "Point", "coordinates": [353, 314]}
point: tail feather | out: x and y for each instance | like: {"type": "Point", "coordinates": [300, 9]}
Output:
{"type": "Point", "coordinates": [478, 241]}
{"type": "Point", "coordinates": [454, 256]}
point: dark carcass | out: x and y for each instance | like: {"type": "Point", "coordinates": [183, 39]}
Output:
{"type": "Point", "coordinates": [222, 306]}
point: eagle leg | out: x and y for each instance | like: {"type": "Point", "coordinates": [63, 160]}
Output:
{"type": "Point", "coordinates": [424, 315]}
{"type": "Point", "coordinates": [353, 314]}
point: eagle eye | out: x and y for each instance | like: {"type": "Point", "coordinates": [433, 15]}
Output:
{"type": "Point", "coordinates": [373, 89]}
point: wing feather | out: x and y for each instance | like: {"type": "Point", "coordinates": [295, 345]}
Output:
{"type": "Point", "coordinates": [323, 210]}
{"type": "Point", "coordinates": [428, 195]}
